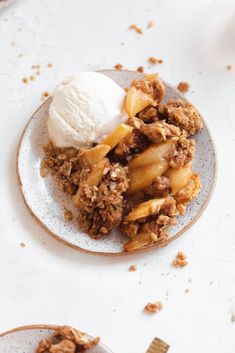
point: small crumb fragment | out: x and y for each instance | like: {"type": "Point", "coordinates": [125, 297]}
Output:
{"type": "Point", "coordinates": [49, 65]}
{"type": "Point", "coordinates": [180, 260]}
{"type": "Point", "coordinates": [25, 80]}
{"type": "Point", "coordinates": [183, 87]}
{"type": "Point", "coordinates": [32, 78]}
{"type": "Point", "coordinates": [152, 60]}
{"type": "Point", "coordinates": [33, 67]}
{"type": "Point", "coordinates": [132, 268]}
{"type": "Point", "coordinates": [22, 245]}
{"type": "Point", "coordinates": [13, 43]}
{"type": "Point", "coordinates": [150, 24]}
{"type": "Point", "coordinates": [233, 317]}
{"type": "Point", "coordinates": [136, 28]}
{"type": "Point", "coordinates": [140, 69]}
{"type": "Point", "coordinates": [229, 67]}
{"type": "Point", "coordinates": [37, 66]}
{"type": "Point", "coordinates": [68, 215]}
{"type": "Point", "coordinates": [37, 73]}
{"type": "Point", "coordinates": [118, 66]}
{"type": "Point", "coordinates": [153, 308]}
{"type": "Point", "coordinates": [186, 290]}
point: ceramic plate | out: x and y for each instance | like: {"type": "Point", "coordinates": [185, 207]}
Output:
{"type": "Point", "coordinates": [46, 202]}
{"type": "Point", "coordinates": [25, 339]}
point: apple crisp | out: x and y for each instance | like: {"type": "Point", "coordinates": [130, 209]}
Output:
{"type": "Point", "coordinates": [139, 178]}
{"type": "Point", "coordinates": [67, 340]}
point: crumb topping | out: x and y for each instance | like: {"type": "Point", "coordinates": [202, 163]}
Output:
{"type": "Point", "coordinates": [153, 308]}
{"type": "Point", "coordinates": [183, 87]}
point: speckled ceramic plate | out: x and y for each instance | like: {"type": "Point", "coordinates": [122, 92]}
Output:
{"type": "Point", "coordinates": [25, 339]}
{"type": "Point", "coordinates": [46, 202]}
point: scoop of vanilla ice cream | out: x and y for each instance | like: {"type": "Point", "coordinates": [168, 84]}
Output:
{"type": "Point", "coordinates": [84, 109]}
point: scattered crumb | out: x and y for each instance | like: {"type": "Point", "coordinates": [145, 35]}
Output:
{"type": "Point", "coordinates": [37, 66]}
{"type": "Point", "coordinates": [33, 67]}
{"type": "Point", "coordinates": [44, 95]}
{"type": "Point", "coordinates": [13, 43]}
{"type": "Point", "coordinates": [229, 67]}
{"type": "Point", "coordinates": [49, 65]}
{"type": "Point", "coordinates": [183, 87]}
{"type": "Point", "coordinates": [136, 28]}
{"type": "Point", "coordinates": [139, 283]}
{"type": "Point", "coordinates": [152, 60]}
{"type": "Point", "coordinates": [114, 310]}
{"type": "Point", "coordinates": [68, 215]}
{"type": "Point", "coordinates": [210, 283]}
{"type": "Point", "coordinates": [153, 307]}
{"type": "Point", "coordinates": [150, 24]}
{"type": "Point", "coordinates": [32, 78]}
{"type": "Point", "coordinates": [233, 317]}
{"type": "Point", "coordinates": [140, 68]}
{"type": "Point", "coordinates": [132, 268]}
{"type": "Point", "coordinates": [186, 290]}
{"type": "Point", "coordinates": [189, 280]}
{"type": "Point", "coordinates": [20, 55]}
{"type": "Point", "coordinates": [180, 260]}
{"type": "Point", "coordinates": [37, 73]}
{"type": "Point", "coordinates": [118, 66]}
{"type": "Point", "coordinates": [25, 80]}
{"type": "Point", "coordinates": [22, 245]}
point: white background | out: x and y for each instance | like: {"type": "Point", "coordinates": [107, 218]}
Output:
{"type": "Point", "coordinates": [46, 282]}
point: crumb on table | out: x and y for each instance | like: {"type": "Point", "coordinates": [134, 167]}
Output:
{"type": "Point", "coordinates": [183, 87]}
{"type": "Point", "coordinates": [153, 308]}
{"type": "Point", "coordinates": [49, 65]}
{"type": "Point", "coordinates": [136, 28]}
{"type": "Point", "coordinates": [118, 66]}
{"type": "Point", "coordinates": [22, 245]}
{"type": "Point", "coordinates": [150, 24]}
{"type": "Point", "coordinates": [229, 67]}
{"type": "Point", "coordinates": [180, 260]}
{"type": "Point", "coordinates": [32, 78]}
{"type": "Point", "coordinates": [132, 268]}
{"type": "Point", "coordinates": [140, 69]}
{"type": "Point", "coordinates": [152, 60]}
{"type": "Point", "coordinates": [25, 80]}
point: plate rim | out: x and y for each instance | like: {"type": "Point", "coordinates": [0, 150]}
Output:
{"type": "Point", "coordinates": [120, 253]}
{"type": "Point", "coordinates": [41, 327]}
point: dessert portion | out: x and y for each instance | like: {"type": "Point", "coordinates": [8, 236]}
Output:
{"type": "Point", "coordinates": [67, 340]}
{"type": "Point", "coordinates": [134, 174]}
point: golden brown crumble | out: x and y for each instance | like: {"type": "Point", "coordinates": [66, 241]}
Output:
{"type": "Point", "coordinates": [153, 308]}
{"type": "Point", "coordinates": [229, 67]}
{"type": "Point", "coordinates": [25, 80]}
{"type": "Point", "coordinates": [49, 65]}
{"type": "Point", "coordinates": [180, 260]}
{"type": "Point", "coordinates": [44, 95]}
{"type": "Point", "coordinates": [22, 245]}
{"type": "Point", "coordinates": [132, 268]}
{"type": "Point", "coordinates": [183, 87]}
{"type": "Point", "coordinates": [118, 66]}
{"type": "Point", "coordinates": [140, 177]}
{"type": "Point", "coordinates": [152, 60]}
{"type": "Point", "coordinates": [136, 28]}
{"type": "Point", "coordinates": [68, 215]}
{"type": "Point", "coordinates": [150, 24]}
{"type": "Point", "coordinates": [140, 69]}
{"type": "Point", "coordinates": [67, 340]}
{"type": "Point", "coordinates": [32, 78]}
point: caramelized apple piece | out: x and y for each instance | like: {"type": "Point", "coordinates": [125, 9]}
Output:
{"type": "Point", "coordinates": [151, 155]}
{"type": "Point", "coordinates": [179, 177]}
{"type": "Point", "coordinates": [142, 177]}
{"type": "Point", "coordinates": [117, 135]}
{"type": "Point", "coordinates": [145, 209]}
{"type": "Point", "coordinates": [93, 155]}
{"type": "Point", "coordinates": [139, 241]}
{"type": "Point", "coordinates": [137, 100]}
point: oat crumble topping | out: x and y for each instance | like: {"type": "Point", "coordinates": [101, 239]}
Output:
{"type": "Point", "coordinates": [140, 69]}
{"type": "Point", "coordinates": [67, 340]}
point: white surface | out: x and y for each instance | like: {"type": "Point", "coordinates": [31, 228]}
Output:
{"type": "Point", "coordinates": [85, 108]}
{"type": "Point", "coordinates": [46, 282]}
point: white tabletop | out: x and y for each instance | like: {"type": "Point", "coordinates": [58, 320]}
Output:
{"type": "Point", "coordinates": [46, 282]}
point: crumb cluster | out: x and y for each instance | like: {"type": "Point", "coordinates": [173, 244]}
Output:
{"type": "Point", "coordinates": [153, 308]}
{"type": "Point", "coordinates": [180, 260]}
{"type": "Point", "coordinates": [183, 87]}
